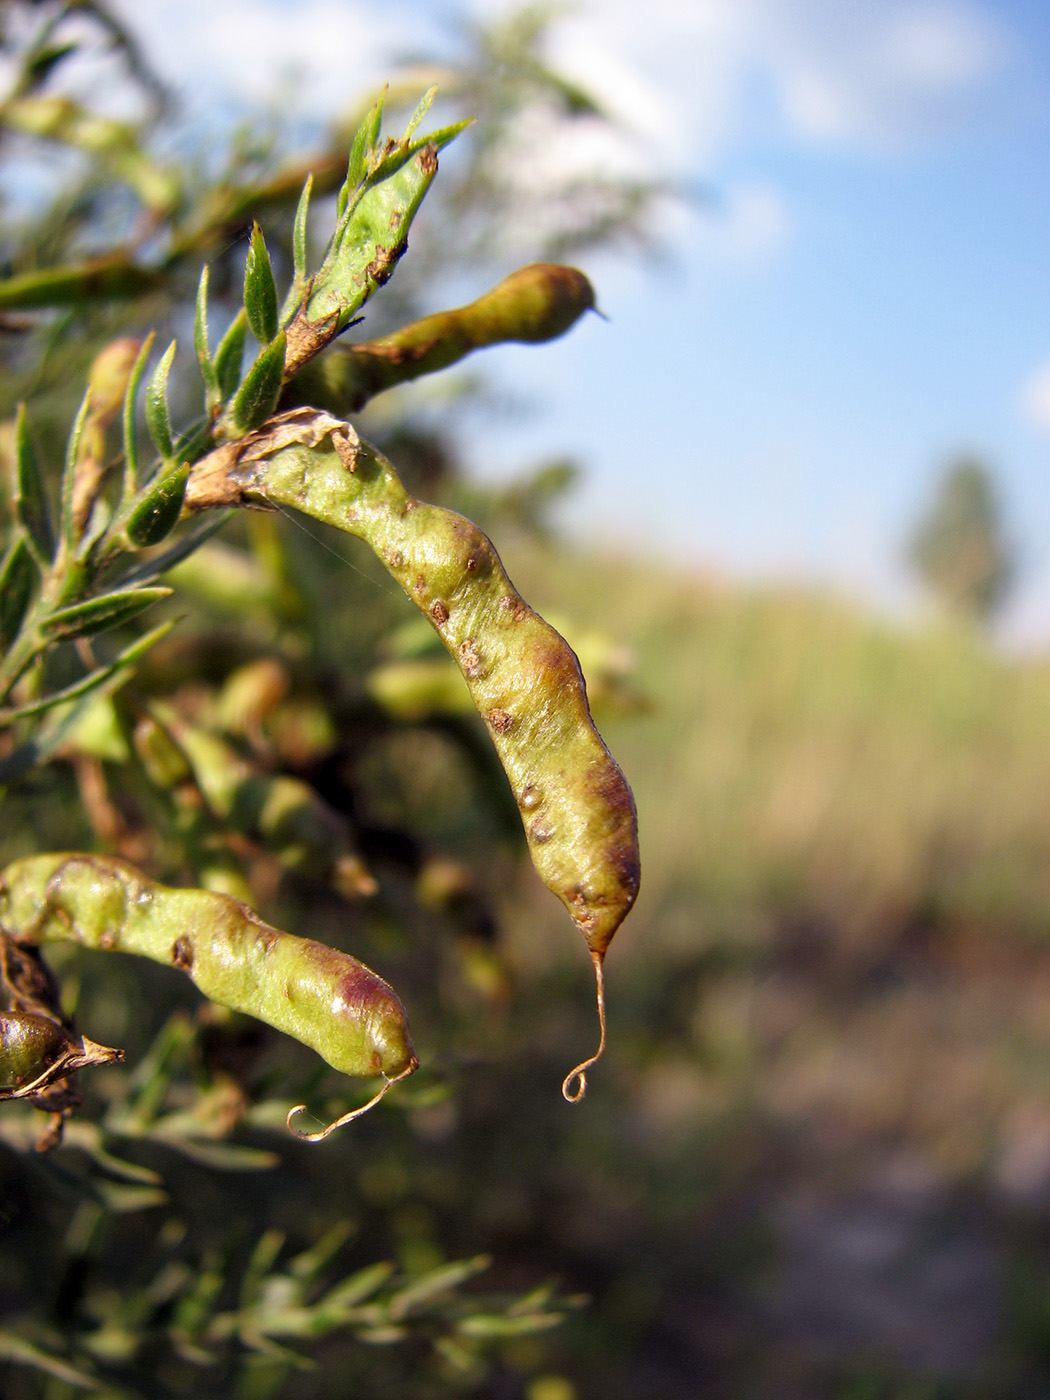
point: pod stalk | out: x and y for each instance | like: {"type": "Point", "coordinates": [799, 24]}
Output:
{"type": "Point", "coordinates": [580, 1072]}
{"type": "Point", "coordinates": [354, 1112]}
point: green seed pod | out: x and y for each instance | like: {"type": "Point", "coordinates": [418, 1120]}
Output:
{"type": "Point", "coordinates": [251, 693]}
{"type": "Point", "coordinates": [36, 1051]}
{"type": "Point", "coordinates": [164, 762]}
{"type": "Point", "coordinates": [536, 303]}
{"type": "Point", "coordinates": [385, 185]}
{"type": "Point", "coordinates": [415, 689]}
{"type": "Point", "coordinates": [575, 804]}
{"type": "Point", "coordinates": [322, 997]}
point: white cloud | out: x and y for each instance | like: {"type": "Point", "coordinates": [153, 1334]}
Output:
{"type": "Point", "coordinates": [684, 73]}
{"type": "Point", "coordinates": [876, 74]}
{"type": "Point", "coordinates": [868, 73]}
{"type": "Point", "coordinates": [1035, 399]}
{"type": "Point", "coordinates": [694, 81]}
{"type": "Point", "coordinates": [940, 48]}
{"type": "Point", "coordinates": [315, 55]}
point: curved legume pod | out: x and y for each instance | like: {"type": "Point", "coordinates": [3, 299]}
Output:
{"type": "Point", "coordinates": [322, 997]}
{"type": "Point", "coordinates": [537, 303]}
{"type": "Point", "coordinates": [575, 804]}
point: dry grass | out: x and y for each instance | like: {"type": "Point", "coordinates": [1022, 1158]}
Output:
{"type": "Point", "coordinates": [805, 763]}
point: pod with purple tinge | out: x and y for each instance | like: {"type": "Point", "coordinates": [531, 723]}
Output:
{"type": "Point", "coordinates": [576, 806]}
{"type": "Point", "coordinates": [536, 303]}
{"type": "Point", "coordinates": [322, 997]}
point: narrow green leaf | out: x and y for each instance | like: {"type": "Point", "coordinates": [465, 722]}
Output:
{"type": "Point", "coordinates": [308, 1265]}
{"type": "Point", "coordinates": [260, 290]}
{"type": "Point", "coordinates": [229, 355]}
{"type": "Point", "coordinates": [374, 121]}
{"type": "Point", "coordinates": [17, 577]}
{"type": "Point", "coordinates": [106, 610]}
{"type": "Point", "coordinates": [89, 1138]}
{"type": "Point", "coordinates": [69, 472]}
{"type": "Point", "coordinates": [136, 650]}
{"type": "Point", "coordinates": [97, 525]}
{"type": "Point", "coordinates": [131, 452]}
{"type": "Point", "coordinates": [294, 295]}
{"type": "Point", "coordinates": [200, 339]}
{"type": "Point", "coordinates": [299, 231]}
{"type": "Point", "coordinates": [17, 1350]}
{"type": "Point", "coordinates": [263, 1258]}
{"type": "Point", "coordinates": [496, 1325]}
{"type": "Point", "coordinates": [79, 688]}
{"type": "Point", "coordinates": [53, 731]}
{"type": "Point", "coordinates": [31, 504]}
{"type": "Point", "coordinates": [356, 165]}
{"type": "Point", "coordinates": [157, 513]}
{"type": "Point", "coordinates": [222, 1156]}
{"type": "Point", "coordinates": [158, 419]}
{"type": "Point", "coordinates": [257, 397]}
{"type": "Point", "coordinates": [420, 112]}
{"type": "Point", "coordinates": [39, 63]}
{"type": "Point", "coordinates": [443, 135]}
{"type": "Point", "coordinates": [435, 1282]}
{"type": "Point", "coordinates": [192, 443]}
{"type": "Point", "coordinates": [359, 1286]}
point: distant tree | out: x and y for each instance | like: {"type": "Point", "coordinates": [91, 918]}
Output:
{"type": "Point", "coordinates": [958, 548]}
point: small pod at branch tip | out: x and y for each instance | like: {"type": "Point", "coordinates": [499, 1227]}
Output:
{"type": "Point", "coordinates": [36, 1051]}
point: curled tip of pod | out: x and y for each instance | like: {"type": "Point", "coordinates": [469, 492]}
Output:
{"type": "Point", "coordinates": [322, 1133]}
{"type": "Point", "coordinates": [578, 1076]}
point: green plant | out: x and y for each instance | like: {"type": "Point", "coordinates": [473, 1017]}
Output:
{"type": "Point", "coordinates": [227, 791]}
{"type": "Point", "coordinates": [577, 807]}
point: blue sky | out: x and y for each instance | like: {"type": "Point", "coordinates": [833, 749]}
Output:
{"type": "Point", "coordinates": [868, 295]}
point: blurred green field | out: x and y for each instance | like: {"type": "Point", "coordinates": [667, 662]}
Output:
{"type": "Point", "coordinates": [803, 761]}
